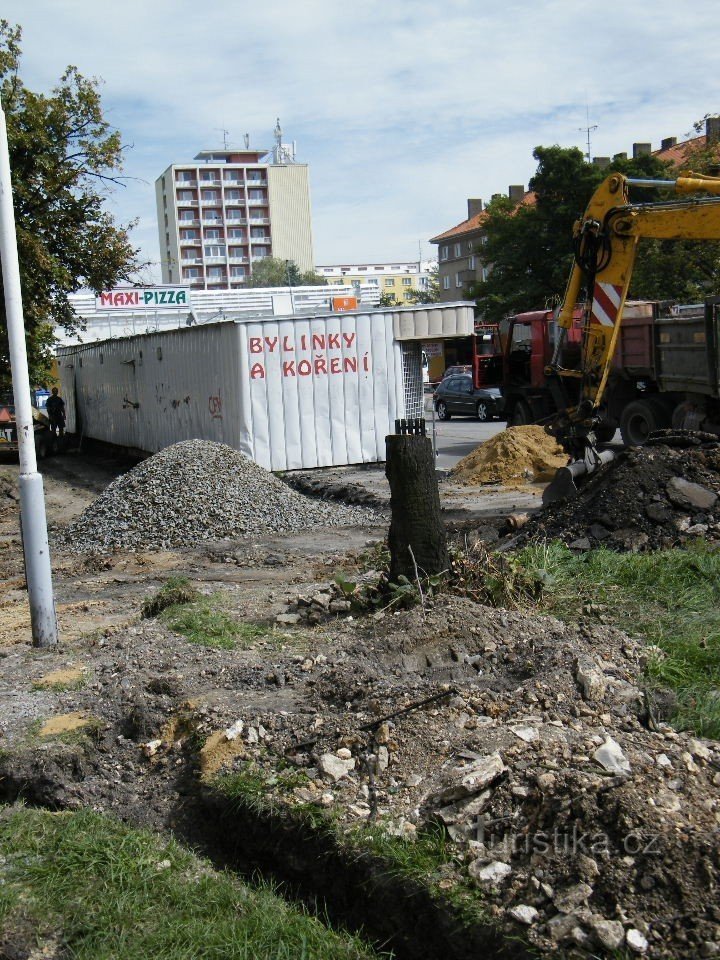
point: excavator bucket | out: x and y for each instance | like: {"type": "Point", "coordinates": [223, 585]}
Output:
{"type": "Point", "coordinates": [564, 485]}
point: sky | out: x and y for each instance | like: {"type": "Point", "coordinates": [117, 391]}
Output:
{"type": "Point", "coordinates": [402, 108]}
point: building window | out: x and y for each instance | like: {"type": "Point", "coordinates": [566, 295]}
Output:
{"type": "Point", "coordinates": [191, 272]}
{"type": "Point", "coordinates": [215, 273]}
{"type": "Point", "coordinates": [233, 195]}
{"type": "Point", "coordinates": [235, 233]}
{"type": "Point", "coordinates": [207, 176]}
{"type": "Point", "coordinates": [214, 249]}
{"type": "Point", "coordinates": [187, 215]}
{"type": "Point", "coordinates": [446, 283]}
{"type": "Point", "coordinates": [213, 233]}
{"type": "Point", "coordinates": [443, 253]}
{"type": "Point", "coordinates": [189, 253]}
{"type": "Point", "coordinates": [472, 262]}
{"type": "Point", "coordinates": [407, 295]}
{"type": "Point", "coordinates": [458, 249]}
{"type": "Point", "coordinates": [208, 196]}
{"type": "Point", "coordinates": [389, 282]}
{"type": "Point", "coordinates": [190, 235]}
{"type": "Point", "coordinates": [373, 281]}
{"type": "Point", "coordinates": [458, 280]}
{"type": "Point", "coordinates": [407, 281]}
{"type": "Point", "coordinates": [237, 271]}
{"type": "Point", "coordinates": [185, 195]}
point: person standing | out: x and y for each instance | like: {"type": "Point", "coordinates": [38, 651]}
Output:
{"type": "Point", "coordinates": [55, 408]}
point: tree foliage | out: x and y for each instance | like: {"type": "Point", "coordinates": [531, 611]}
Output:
{"type": "Point", "coordinates": [529, 247]}
{"type": "Point", "coordinates": [431, 293]}
{"type": "Point", "coordinates": [64, 158]}
{"type": "Point", "coordinates": [274, 272]}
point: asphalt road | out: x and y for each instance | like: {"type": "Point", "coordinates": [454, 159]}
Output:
{"type": "Point", "coordinates": [455, 438]}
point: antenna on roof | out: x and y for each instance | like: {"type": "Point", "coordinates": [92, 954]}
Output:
{"type": "Point", "coordinates": [246, 140]}
{"type": "Point", "coordinates": [588, 130]}
{"type": "Point", "coordinates": [226, 134]}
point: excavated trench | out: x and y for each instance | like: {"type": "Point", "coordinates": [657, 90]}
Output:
{"type": "Point", "coordinates": [352, 889]}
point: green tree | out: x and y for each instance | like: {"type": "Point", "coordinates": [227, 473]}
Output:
{"type": "Point", "coordinates": [388, 300]}
{"type": "Point", "coordinates": [64, 157]}
{"type": "Point", "coordinates": [529, 247]}
{"type": "Point", "coordinates": [274, 272]}
{"type": "Point", "coordinates": [431, 293]}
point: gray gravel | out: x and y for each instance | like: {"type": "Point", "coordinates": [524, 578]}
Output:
{"type": "Point", "coordinates": [198, 491]}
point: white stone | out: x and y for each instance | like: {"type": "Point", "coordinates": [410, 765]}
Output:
{"type": "Point", "coordinates": [663, 760]}
{"type": "Point", "coordinates": [335, 767]}
{"type": "Point", "coordinates": [698, 749]}
{"type": "Point", "coordinates": [383, 759]}
{"type": "Point", "coordinates": [490, 873]}
{"type": "Point", "coordinates": [234, 731]}
{"type": "Point", "coordinates": [611, 757]}
{"type": "Point", "coordinates": [590, 678]}
{"type": "Point", "coordinates": [344, 753]}
{"type": "Point", "coordinates": [636, 941]}
{"type": "Point", "coordinates": [473, 778]}
{"type": "Point", "coordinates": [524, 913]}
{"type": "Point", "coordinates": [528, 734]}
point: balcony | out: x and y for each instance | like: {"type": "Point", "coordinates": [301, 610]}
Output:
{"type": "Point", "coordinates": [212, 221]}
{"type": "Point", "coordinates": [190, 222]}
{"type": "Point", "coordinates": [190, 261]}
{"type": "Point", "coordinates": [233, 181]}
{"type": "Point", "coordinates": [258, 202]}
{"type": "Point", "coordinates": [263, 220]}
{"type": "Point", "coordinates": [189, 242]}
{"type": "Point", "coordinates": [238, 260]}
{"type": "Point", "coordinates": [187, 203]}
{"type": "Point", "coordinates": [214, 182]}
{"type": "Point", "coordinates": [264, 240]}
{"type": "Point", "coordinates": [263, 256]}
{"type": "Point", "coordinates": [235, 220]}
{"type": "Point", "coordinates": [252, 182]}
{"type": "Point", "coordinates": [186, 183]}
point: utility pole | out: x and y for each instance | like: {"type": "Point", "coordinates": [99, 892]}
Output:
{"type": "Point", "coordinates": [588, 130]}
{"type": "Point", "coordinates": [33, 522]}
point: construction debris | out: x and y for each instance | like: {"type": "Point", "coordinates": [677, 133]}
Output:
{"type": "Point", "coordinates": [647, 498]}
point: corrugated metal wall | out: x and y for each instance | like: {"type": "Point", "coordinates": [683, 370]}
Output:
{"type": "Point", "coordinates": [320, 391]}
{"type": "Point", "coordinates": [293, 392]}
{"type": "Point", "coordinates": [150, 391]}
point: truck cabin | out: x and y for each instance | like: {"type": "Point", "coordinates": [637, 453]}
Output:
{"type": "Point", "coordinates": [529, 341]}
{"type": "Point", "coordinates": [480, 353]}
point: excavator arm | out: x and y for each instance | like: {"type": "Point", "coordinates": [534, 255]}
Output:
{"type": "Point", "coordinates": [606, 241]}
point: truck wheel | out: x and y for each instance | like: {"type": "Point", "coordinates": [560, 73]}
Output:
{"type": "Point", "coordinates": [639, 419]}
{"type": "Point", "coordinates": [520, 415]}
{"type": "Point", "coordinates": [442, 411]}
{"type": "Point", "coordinates": [482, 411]}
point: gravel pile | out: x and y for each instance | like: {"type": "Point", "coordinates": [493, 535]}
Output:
{"type": "Point", "coordinates": [662, 495]}
{"type": "Point", "coordinates": [198, 491]}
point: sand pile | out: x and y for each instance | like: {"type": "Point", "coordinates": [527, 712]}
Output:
{"type": "Point", "coordinates": [518, 453]}
{"type": "Point", "coordinates": [664, 494]}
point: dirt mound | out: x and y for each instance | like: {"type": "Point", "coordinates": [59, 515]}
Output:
{"type": "Point", "coordinates": [648, 498]}
{"type": "Point", "coordinates": [518, 453]}
{"type": "Point", "coordinates": [193, 492]}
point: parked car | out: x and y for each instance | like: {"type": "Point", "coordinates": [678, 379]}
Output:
{"type": "Point", "coordinates": [455, 395]}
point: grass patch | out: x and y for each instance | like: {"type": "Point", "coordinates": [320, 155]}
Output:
{"type": "Point", "coordinates": [671, 598]}
{"type": "Point", "coordinates": [106, 891]}
{"type": "Point", "coordinates": [206, 623]}
{"type": "Point", "coordinates": [174, 592]}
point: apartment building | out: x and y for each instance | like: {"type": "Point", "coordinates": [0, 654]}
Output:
{"type": "Point", "coordinates": [460, 260]}
{"type": "Point", "coordinates": [392, 279]}
{"type": "Point", "coordinates": [227, 210]}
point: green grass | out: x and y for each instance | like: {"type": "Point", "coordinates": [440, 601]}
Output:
{"type": "Point", "coordinates": [174, 592]}
{"type": "Point", "coordinates": [671, 598]}
{"type": "Point", "coordinates": [105, 891]}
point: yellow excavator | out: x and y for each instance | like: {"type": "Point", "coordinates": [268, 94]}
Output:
{"type": "Point", "coordinates": [606, 241]}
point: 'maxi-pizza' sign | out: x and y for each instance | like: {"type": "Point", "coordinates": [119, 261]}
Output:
{"type": "Point", "coordinates": [148, 297]}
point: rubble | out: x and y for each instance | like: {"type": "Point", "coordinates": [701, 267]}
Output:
{"type": "Point", "coordinates": [647, 498]}
{"type": "Point", "coordinates": [198, 491]}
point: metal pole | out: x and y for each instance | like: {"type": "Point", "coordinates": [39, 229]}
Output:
{"type": "Point", "coordinates": [32, 500]}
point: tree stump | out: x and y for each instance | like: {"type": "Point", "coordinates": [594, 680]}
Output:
{"type": "Point", "coordinates": [416, 526]}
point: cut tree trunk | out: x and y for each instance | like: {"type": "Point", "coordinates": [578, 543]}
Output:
{"type": "Point", "coordinates": [416, 526]}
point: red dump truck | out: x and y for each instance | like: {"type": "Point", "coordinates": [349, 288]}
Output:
{"type": "Point", "coordinates": [666, 369]}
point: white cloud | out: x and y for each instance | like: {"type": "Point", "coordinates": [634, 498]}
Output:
{"type": "Point", "coordinates": [402, 108]}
